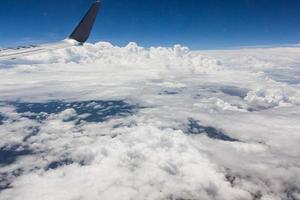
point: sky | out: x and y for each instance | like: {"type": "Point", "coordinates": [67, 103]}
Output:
{"type": "Point", "coordinates": [198, 24]}
{"type": "Point", "coordinates": [100, 121]}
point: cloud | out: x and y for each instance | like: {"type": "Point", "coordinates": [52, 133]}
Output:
{"type": "Point", "coordinates": [108, 122]}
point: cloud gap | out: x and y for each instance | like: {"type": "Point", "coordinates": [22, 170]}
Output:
{"type": "Point", "coordinates": [234, 91]}
{"type": "Point", "coordinates": [9, 155]}
{"type": "Point", "coordinates": [1, 119]}
{"type": "Point", "coordinates": [194, 127]}
{"type": "Point", "coordinates": [89, 111]}
{"type": "Point", "coordinates": [60, 163]}
{"type": "Point", "coordinates": [7, 178]}
{"type": "Point", "coordinates": [168, 92]}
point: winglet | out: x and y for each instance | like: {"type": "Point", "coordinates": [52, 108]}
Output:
{"type": "Point", "coordinates": [83, 29]}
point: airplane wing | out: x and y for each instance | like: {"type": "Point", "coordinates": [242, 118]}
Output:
{"type": "Point", "coordinates": [78, 37]}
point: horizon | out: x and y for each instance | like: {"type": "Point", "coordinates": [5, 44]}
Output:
{"type": "Point", "coordinates": [197, 25]}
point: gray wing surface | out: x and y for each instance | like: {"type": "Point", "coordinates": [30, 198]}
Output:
{"type": "Point", "coordinates": [13, 53]}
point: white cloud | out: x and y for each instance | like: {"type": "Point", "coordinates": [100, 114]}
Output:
{"type": "Point", "coordinates": [147, 153]}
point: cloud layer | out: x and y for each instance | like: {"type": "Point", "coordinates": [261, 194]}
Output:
{"type": "Point", "coordinates": [108, 122]}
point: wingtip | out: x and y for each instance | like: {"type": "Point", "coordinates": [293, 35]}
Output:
{"type": "Point", "coordinates": [83, 29]}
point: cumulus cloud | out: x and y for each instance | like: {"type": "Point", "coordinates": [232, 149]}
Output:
{"type": "Point", "coordinates": [108, 122]}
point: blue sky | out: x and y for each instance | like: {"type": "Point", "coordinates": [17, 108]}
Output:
{"type": "Point", "coordinates": [199, 24]}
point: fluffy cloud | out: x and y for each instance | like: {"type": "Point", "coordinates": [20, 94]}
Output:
{"type": "Point", "coordinates": [108, 122]}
